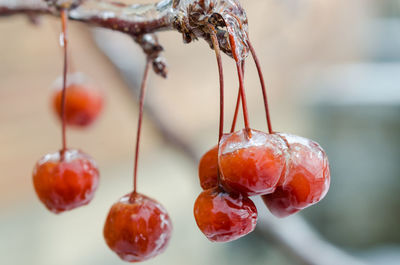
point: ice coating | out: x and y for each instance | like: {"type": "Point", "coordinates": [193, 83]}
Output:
{"type": "Point", "coordinates": [227, 16]}
{"type": "Point", "coordinates": [189, 17]}
{"type": "Point", "coordinates": [309, 156]}
{"type": "Point", "coordinates": [307, 179]}
{"type": "Point", "coordinates": [64, 3]}
{"type": "Point", "coordinates": [137, 228]}
{"type": "Point", "coordinates": [240, 139]}
{"type": "Point", "coordinates": [223, 217]}
{"type": "Point", "coordinates": [64, 182]}
{"type": "Point", "coordinates": [134, 19]}
{"type": "Point", "coordinates": [108, 10]}
{"type": "Point", "coordinates": [251, 165]}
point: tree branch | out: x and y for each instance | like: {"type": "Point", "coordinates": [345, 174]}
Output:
{"type": "Point", "coordinates": [134, 20]}
{"type": "Point", "coordinates": [138, 21]}
{"type": "Point", "coordinates": [189, 17]}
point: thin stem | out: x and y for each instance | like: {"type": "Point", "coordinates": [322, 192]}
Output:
{"type": "Point", "coordinates": [241, 83]}
{"type": "Point", "coordinates": [64, 19]}
{"type": "Point", "coordinates": [215, 43]}
{"type": "Point", "coordinates": [264, 90]}
{"type": "Point", "coordinates": [71, 64]}
{"type": "Point", "coordinates": [237, 104]}
{"type": "Point", "coordinates": [221, 80]}
{"type": "Point", "coordinates": [139, 127]}
{"type": "Point", "coordinates": [243, 96]}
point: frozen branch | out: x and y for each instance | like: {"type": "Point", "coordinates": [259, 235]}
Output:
{"type": "Point", "coordinates": [189, 17]}
{"type": "Point", "coordinates": [138, 21]}
{"type": "Point", "coordinates": [134, 20]}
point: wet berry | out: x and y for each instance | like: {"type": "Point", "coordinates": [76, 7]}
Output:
{"type": "Point", "coordinates": [223, 217]}
{"type": "Point", "coordinates": [137, 228]}
{"type": "Point", "coordinates": [251, 165]}
{"type": "Point", "coordinates": [83, 102]}
{"type": "Point", "coordinates": [64, 182]}
{"type": "Point", "coordinates": [306, 181]}
{"type": "Point", "coordinates": [208, 169]}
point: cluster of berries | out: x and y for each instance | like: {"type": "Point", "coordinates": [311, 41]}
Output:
{"type": "Point", "coordinates": [137, 227]}
{"type": "Point", "coordinates": [69, 178]}
{"type": "Point", "coordinates": [288, 171]}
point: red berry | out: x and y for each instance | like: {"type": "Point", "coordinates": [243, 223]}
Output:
{"type": "Point", "coordinates": [137, 228]}
{"type": "Point", "coordinates": [64, 182]}
{"type": "Point", "coordinates": [223, 217]}
{"type": "Point", "coordinates": [83, 103]}
{"type": "Point", "coordinates": [208, 169]}
{"type": "Point", "coordinates": [307, 179]}
{"type": "Point", "coordinates": [251, 165]}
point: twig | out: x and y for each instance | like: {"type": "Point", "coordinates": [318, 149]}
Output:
{"type": "Point", "coordinates": [141, 20]}
{"type": "Point", "coordinates": [134, 20]}
{"type": "Point", "coordinates": [138, 21]}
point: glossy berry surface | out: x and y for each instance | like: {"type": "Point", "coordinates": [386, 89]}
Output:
{"type": "Point", "coordinates": [64, 182]}
{"type": "Point", "coordinates": [251, 165]}
{"type": "Point", "coordinates": [223, 217]}
{"type": "Point", "coordinates": [306, 181]}
{"type": "Point", "coordinates": [83, 102]}
{"type": "Point", "coordinates": [208, 169]}
{"type": "Point", "coordinates": [137, 228]}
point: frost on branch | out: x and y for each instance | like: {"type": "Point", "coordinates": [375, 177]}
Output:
{"type": "Point", "coordinates": [64, 4]}
{"type": "Point", "coordinates": [189, 17]}
{"type": "Point", "coordinates": [227, 16]}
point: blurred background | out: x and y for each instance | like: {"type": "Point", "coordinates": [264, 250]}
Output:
{"type": "Point", "coordinates": [333, 72]}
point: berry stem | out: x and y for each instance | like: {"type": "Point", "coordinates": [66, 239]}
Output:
{"type": "Point", "coordinates": [221, 87]}
{"type": "Point", "coordinates": [139, 127]}
{"type": "Point", "coordinates": [243, 96]}
{"type": "Point", "coordinates": [71, 64]}
{"type": "Point", "coordinates": [221, 80]}
{"type": "Point", "coordinates": [264, 90]}
{"type": "Point", "coordinates": [64, 19]}
{"type": "Point", "coordinates": [241, 83]}
{"type": "Point", "coordinates": [237, 104]}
